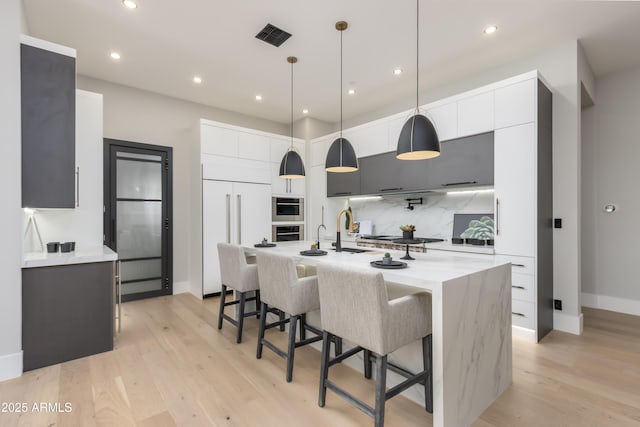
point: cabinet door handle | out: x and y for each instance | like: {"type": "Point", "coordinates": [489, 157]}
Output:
{"type": "Point", "coordinates": [497, 217]}
{"type": "Point", "coordinates": [239, 219]}
{"type": "Point", "coordinates": [391, 189]}
{"type": "Point", "coordinates": [518, 265]}
{"type": "Point", "coordinates": [518, 314]}
{"type": "Point", "coordinates": [77, 186]}
{"type": "Point", "coordinates": [343, 193]}
{"type": "Point", "coordinates": [518, 287]}
{"type": "Point", "coordinates": [119, 283]}
{"type": "Point", "coordinates": [229, 218]}
{"type": "Point", "coordinates": [459, 183]}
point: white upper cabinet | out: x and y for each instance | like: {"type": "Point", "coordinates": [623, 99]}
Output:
{"type": "Point", "coordinates": [393, 132]}
{"type": "Point", "coordinates": [475, 114]}
{"type": "Point", "coordinates": [515, 190]}
{"type": "Point", "coordinates": [319, 151]}
{"type": "Point", "coordinates": [254, 147]}
{"type": "Point", "coordinates": [218, 141]}
{"type": "Point", "coordinates": [371, 139]}
{"type": "Point", "coordinates": [515, 104]}
{"type": "Point", "coordinates": [278, 146]}
{"type": "Point", "coordinates": [445, 119]}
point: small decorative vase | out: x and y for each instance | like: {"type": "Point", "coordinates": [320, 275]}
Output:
{"type": "Point", "coordinates": [407, 235]}
{"type": "Point", "coordinates": [386, 260]}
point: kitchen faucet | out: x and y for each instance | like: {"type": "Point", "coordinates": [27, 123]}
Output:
{"type": "Point", "coordinates": [352, 227]}
{"type": "Point", "coordinates": [318, 241]}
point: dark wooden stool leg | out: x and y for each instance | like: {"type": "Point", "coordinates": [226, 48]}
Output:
{"type": "Point", "coordinates": [338, 342]}
{"type": "Point", "coordinates": [258, 303]}
{"type": "Point", "coordinates": [263, 319]}
{"type": "Point", "coordinates": [381, 387]}
{"type": "Point", "coordinates": [427, 354]}
{"type": "Point", "coordinates": [241, 316]}
{"type": "Point", "coordinates": [367, 364]}
{"type": "Point", "coordinates": [292, 346]}
{"type": "Point", "coordinates": [223, 295]}
{"type": "Point", "coordinates": [303, 324]}
{"type": "Point", "coordinates": [324, 367]}
{"type": "Point", "coordinates": [281, 316]}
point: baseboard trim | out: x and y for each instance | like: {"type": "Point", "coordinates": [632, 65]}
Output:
{"type": "Point", "coordinates": [10, 366]}
{"type": "Point", "coordinates": [604, 302]}
{"type": "Point", "coordinates": [567, 323]}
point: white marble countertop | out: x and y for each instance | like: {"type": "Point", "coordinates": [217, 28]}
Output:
{"type": "Point", "coordinates": [44, 259]}
{"type": "Point", "coordinates": [472, 249]}
{"type": "Point", "coordinates": [428, 269]}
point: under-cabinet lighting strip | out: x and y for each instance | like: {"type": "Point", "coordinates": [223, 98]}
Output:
{"type": "Point", "coordinates": [488, 190]}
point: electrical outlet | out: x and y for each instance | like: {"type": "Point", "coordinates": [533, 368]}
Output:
{"type": "Point", "coordinates": [557, 223]}
{"type": "Point", "coordinates": [557, 304]}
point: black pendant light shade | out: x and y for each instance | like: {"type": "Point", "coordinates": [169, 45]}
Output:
{"type": "Point", "coordinates": [291, 166]}
{"type": "Point", "coordinates": [418, 140]}
{"type": "Point", "coordinates": [341, 157]}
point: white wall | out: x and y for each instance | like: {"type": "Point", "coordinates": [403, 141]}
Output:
{"type": "Point", "coordinates": [10, 192]}
{"type": "Point", "coordinates": [611, 174]}
{"type": "Point", "coordinates": [136, 115]}
{"type": "Point", "coordinates": [559, 65]}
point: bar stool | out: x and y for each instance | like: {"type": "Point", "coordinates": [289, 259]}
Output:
{"type": "Point", "coordinates": [354, 306]}
{"type": "Point", "coordinates": [240, 276]}
{"type": "Point", "coordinates": [281, 288]}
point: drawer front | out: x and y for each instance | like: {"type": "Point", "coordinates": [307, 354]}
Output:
{"type": "Point", "coordinates": [523, 314]}
{"type": "Point", "coordinates": [523, 287]}
{"type": "Point", "coordinates": [519, 264]}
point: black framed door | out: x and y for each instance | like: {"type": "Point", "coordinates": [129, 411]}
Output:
{"type": "Point", "coordinates": [138, 219]}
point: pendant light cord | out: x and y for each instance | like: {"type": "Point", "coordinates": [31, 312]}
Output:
{"type": "Point", "coordinates": [417, 54]}
{"type": "Point", "coordinates": [341, 88]}
{"type": "Point", "coordinates": [291, 106]}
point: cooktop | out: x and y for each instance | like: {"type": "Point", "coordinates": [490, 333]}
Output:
{"type": "Point", "coordinates": [389, 238]}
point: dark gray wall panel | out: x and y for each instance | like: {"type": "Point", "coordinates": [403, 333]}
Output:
{"type": "Point", "coordinates": [48, 128]}
{"type": "Point", "coordinates": [67, 312]}
{"type": "Point", "coordinates": [545, 212]}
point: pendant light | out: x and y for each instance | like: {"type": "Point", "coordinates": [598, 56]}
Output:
{"type": "Point", "coordinates": [341, 156]}
{"type": "Point", "coordinates": [291, 166]}
{"type": "Point", "coordinates": [418, 138]}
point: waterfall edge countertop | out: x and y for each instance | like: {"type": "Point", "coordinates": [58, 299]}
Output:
{"type": "Point", "coordinates": [45, 259]}
{"type": "Point", "coordinates": [471, 318]}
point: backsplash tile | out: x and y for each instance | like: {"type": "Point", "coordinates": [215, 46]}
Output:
{"type": "Point", "coordinates": [434, 218]}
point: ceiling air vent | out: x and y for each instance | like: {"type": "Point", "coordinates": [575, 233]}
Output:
{"type": "Point", "coordinates": [273, 35]}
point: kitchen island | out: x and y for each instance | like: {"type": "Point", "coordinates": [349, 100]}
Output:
{"type": "Point", "coordinates": [471, 317]}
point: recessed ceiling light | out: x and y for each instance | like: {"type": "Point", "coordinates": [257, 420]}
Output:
{"type": "Point", "coordinates": [115, 55]}
{"type": "Point", "coordinates": [258, 97]}
{"type": "Point", "coordinates": [490, 29]}
{"type": "Point", "coordinates": [397, 71]}
{"type": "Point", "coordinates": [130, 4]}
{"type": "Point", "coordinates": [351, 92]}
{"type": "Point", "coordinates": [305, 111]}
{"type": "Point", "coordinates": [197, 80]}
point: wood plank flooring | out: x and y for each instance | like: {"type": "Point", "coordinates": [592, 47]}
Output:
{"type": "Point", "coordinates": [172, 367]}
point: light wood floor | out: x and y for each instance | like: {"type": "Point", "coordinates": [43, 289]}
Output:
{"type": "Point", "coordinates": [173, 367]}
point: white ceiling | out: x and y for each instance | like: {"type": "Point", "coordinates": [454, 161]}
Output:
{"type": "Point", "coordinates": [164, 43]}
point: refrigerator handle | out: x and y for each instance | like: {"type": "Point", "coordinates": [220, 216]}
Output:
{"type": "Point", "coordinates": [239, 219]}
{"type": "Point", "coordinates": [229, 218]}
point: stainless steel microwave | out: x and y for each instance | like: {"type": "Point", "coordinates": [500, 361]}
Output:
{"type": "Point", "coordinates": [287, 232]}
{"type": "Point", "coordinates": [287, 209]}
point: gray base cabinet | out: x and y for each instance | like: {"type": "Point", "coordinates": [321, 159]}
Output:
{"type": "Point", "coordinates": [67, 312]}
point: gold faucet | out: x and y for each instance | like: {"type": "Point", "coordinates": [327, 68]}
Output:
{"type": "Point", "coordinates": [352, 227]}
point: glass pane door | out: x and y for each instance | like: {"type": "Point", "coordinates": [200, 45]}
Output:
{"type": "Point", "coordinates": [138, 222]}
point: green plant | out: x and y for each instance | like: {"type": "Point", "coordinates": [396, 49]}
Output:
{"type": "Point", "coordinates": [479, 229]}
{"type": "Point", "coordinates": [408, 227]}
{"type": "Point", "coordinates": [387, 255]}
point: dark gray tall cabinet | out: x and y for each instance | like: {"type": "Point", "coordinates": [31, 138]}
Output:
{"type": "Point", "coordinates": [48, 127]}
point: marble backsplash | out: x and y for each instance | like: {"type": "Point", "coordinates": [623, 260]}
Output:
{"type": "Point", "coordinates": [434, 218]}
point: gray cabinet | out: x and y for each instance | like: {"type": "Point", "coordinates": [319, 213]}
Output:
{"type": "Point", "coordinates": [67, 312]}
{"type": "Point", "coordinates": [463, 162]}
{"type": "Point", "coordinates": [48, 128]}
{"type": "Point", "coordinates": [343, 184]}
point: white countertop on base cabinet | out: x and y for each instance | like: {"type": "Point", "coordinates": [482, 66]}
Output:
{"type": "Point", "coordinates": [44, 259]}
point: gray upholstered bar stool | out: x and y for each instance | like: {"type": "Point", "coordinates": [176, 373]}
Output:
{"type": "Point", "coordinates": [281, 288]}
{"type": "Point", "coordinates": [240, 276]}
{"type": "Point", "coordinates": [355, 306]}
